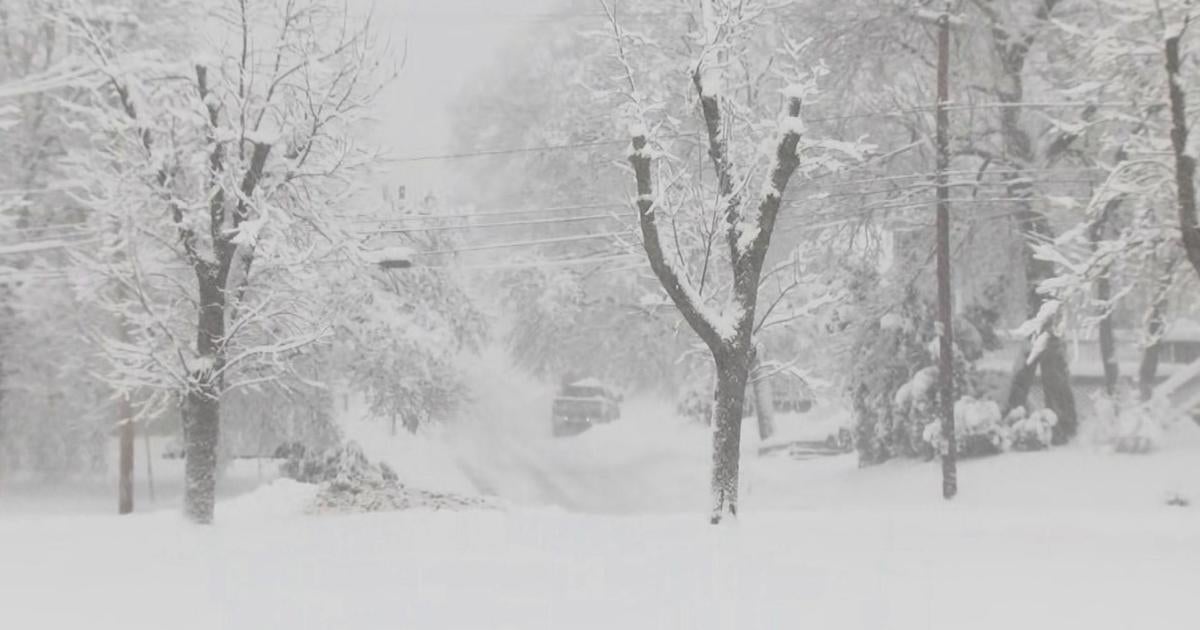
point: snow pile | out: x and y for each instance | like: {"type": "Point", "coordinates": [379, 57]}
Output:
{"type": "Point", "coordinates": [349, 482]}
{"type": "Point", "coordinates": [341, 466]}
{"type": "Point", "coordinates": [1071, 537]}
{"type": "Point", "coordinates": [1127, 426]}
{"type": "Point", "coordinates": [386, 496]}
{"type": "Point", "coordinates": [279, 499]}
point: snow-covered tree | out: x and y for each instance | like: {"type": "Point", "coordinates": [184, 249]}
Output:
{"type": "Point", "coordinates": [746, 209]}
{"type": "Point", "coordinates": [216, 163]}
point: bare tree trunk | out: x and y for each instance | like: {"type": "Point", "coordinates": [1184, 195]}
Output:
{"type": "Point", "coordinates": [1185, 164]}
{"type": "Point", "coordinates": [764, 401]}
{"type": "Point", "coordinates": [1108, 346]}
{"type": "Point", "coordinates": [1022, 380]}
{"type": "Point", "coordinates": [1056, 386]}
{"type": "Point", "coordinates": [732, 373]}
{"type": "Point", "coordinates": [1108, 342]}
{"type": "Point", "coordinates": [200, 467]}
{"type": "Point", "coordinates": [202, 412]}
{"type": "Point", "coordinates": [1148, 369]}
{"type": "Point", "coordinates": [125, 466]}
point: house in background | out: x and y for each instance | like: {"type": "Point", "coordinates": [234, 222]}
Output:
{"type": "Point", "coordinates": [1179, 348]}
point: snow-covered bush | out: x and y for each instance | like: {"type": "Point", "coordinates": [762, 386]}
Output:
{"type": "Point", "coordinates": [1126, 425]}
{"type": "Point", "coordinates": [385, 496]}
{"type": "Point", "coordinates": [1138, 429]}
{"type": "Point", "coordinates": [342, 467]}
{"type": "Point", "coordinates": [894, 381]}
{"type": "Point", "coordinates": [352, 483]}
{"type": "Point", "coordinates": [1030, 431]}
{"type": "Point", "coordinates": [978, 429]}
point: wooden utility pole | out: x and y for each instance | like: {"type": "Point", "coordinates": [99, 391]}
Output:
{"type": "Point", "coordinates": [125, 434]}
{"type": "Point", "coordinates": [945, 309]}
{"type": "Point", "coordinates": [125, 430]}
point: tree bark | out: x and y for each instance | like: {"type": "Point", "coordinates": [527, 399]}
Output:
{"type": "Point", "coordinates": [202, 420]}
{"type": "Point", "coordinates": [1108, 342]}
{"type": "Point", "coordinates": [1022, 380]}
{"type": "Point", "coordinates": [1148, 369]}
{"type": "Point", "coordinates": [1108, 346]}
{"type": "Point", "coordinates": [1056, 386]}
{"type": "Point", "coordinates": [732, 372]}
{"type": "Point", "coordinates": [1185, 164]}
{"type": "Point", "coordinates": [203, 412]}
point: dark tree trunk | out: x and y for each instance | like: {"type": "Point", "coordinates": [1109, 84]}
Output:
{"type": "Point", "coordinates": [202, 411]}
{"type": "Point", "coordinates": [1108, 343]}
{"type": "Point", "coordinates": [202, 417]}
{"type": "Point", "coordinates": [1108, 346]}
{"type": "Point", "coordinates": [1148, 369]}
{"type": "Point", "coordinates": [1022, 381]}
{"type": "Point", "coordinates": [732, 372]}
{"type": "Point", "coordinates": [1056, 386]}
{"type": "Point", "coordinates": [1185, 164]}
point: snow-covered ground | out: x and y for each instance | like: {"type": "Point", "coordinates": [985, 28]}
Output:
{"type": "Point", "coordinates": [1076, 538]}
{"type": "Point", "coordinates": [608, 530]}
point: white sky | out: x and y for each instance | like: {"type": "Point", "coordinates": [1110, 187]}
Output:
{"type": "Point", "coordinates": [448, 43]}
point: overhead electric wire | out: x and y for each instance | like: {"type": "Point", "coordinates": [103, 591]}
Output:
{"type": "Point", "coordinates": [477, 215]}
{"type": "Point", "coordinates": [533, 243]}
{"type": "Point", "coordinates": [440, 228]}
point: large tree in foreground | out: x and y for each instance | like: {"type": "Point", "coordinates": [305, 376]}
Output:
{"type": "Point", "coordinates": [216, 169]}
{"type": "Point", "coordinates": [748, 223]}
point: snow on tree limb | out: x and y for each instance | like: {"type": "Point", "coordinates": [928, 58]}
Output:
{"type": "Point", "coordinates": [686, 299]}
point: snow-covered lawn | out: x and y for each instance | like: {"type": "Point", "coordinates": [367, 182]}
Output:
{"type": "Point", "coordinates": [1068, 539]}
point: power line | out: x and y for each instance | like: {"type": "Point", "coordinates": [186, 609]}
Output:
{"type": "Point", "coordinates": [858, 116]}
{"type": "Point", "coordinates": [81, 226]}
{"type": "Point", "coordinates": [538, 264]}
{"type": "Point", "coordinates": [29, 247]}
{"type": "Point", "coordinates": [546, 241]}
{"type": "Point", "coordinates": [439, 228]}
{"type": "Point", "coordinates": [841, 218]}
{"type": "Point", "coordinates": [476, 215]}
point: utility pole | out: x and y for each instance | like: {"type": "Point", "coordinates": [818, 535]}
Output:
{"type": "Point", "coordinates": [945, 309]}
{"type": "Point", "coordinates": [125, 434]}
{"type": "Point", "coordinates": [125, 429]}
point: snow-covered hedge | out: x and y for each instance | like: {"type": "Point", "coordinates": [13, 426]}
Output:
{"type": "Point", "coordinates": [980, 429]}
{"type": "Point", "coordinates": [344, 465]}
